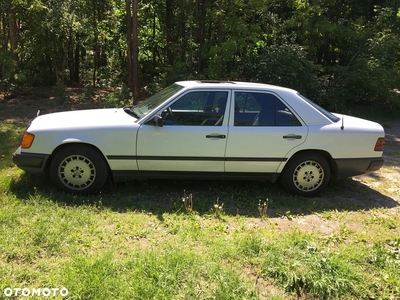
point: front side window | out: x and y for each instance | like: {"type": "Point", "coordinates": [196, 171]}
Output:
{"type": "Point", "coordinates": [198, 108]}
{"type": "Point", "coordinates": [262, 109]}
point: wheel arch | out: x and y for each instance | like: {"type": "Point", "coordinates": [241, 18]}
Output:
{"type": "Point", "coordinates": [325, 154]}
{"type": "Point", "coordinates": [71, 144]}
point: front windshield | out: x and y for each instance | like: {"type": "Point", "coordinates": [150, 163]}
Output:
{"type": "Point", "coordinates": [142, 108]}
{"type": "Point", "coordinates": [326, 113]}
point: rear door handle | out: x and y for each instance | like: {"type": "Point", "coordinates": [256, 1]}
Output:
{"type": "Point", "coordinates": [215, 136]}
{"type": "Point", "coordinates": [292, 136]}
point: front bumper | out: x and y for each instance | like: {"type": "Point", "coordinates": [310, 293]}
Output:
{"type": "Point", "coordinates": [30, 162]}
{"type": "Point", "coordinates": [347, 167]}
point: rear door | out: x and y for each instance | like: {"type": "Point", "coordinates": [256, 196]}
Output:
{"type": "Point", "coordinates": [262, 131]}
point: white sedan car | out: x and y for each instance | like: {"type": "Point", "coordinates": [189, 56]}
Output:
{"type": "Point", "coordinates": [206, 130]}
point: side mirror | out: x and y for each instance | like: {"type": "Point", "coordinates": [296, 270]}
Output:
{"type": "Point", "coordinates": [158, 120]}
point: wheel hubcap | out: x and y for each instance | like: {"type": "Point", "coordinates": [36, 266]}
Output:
{"type": "Point", "coordinates": [308, 175]}
{"type": "Point", "coordinates": [77, 172]}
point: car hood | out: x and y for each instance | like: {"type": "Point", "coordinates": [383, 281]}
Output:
{"type": "Point", "coordinates": [83, 119]}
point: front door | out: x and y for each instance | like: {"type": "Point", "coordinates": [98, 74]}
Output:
{"type": "Point", "coordinates": [193, 137]}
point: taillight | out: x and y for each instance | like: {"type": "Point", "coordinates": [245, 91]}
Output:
{"type": "Point", "coordinates": [27, 140]}
{"type": "Point", "coordinates": [380, 144]}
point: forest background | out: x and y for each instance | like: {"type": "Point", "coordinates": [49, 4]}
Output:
{"type": "Point", "coordinates": [336, 52]}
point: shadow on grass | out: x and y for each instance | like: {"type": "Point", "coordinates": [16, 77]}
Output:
{"type": "Point", "coordinates": [239, 197]}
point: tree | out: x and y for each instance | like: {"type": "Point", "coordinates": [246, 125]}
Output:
{"type": "Point", "coordinates": [330, 49]}
{"type": "Point", "coordinates": [132, 45]}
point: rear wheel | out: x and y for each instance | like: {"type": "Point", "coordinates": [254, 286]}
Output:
{"type": "Point", "coordinates": [306, 174]}
{"type": "Point", "coordinates": [78, 169]}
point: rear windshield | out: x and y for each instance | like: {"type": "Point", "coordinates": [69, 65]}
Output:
{"type": "Point", "coordinates": [323, 111]}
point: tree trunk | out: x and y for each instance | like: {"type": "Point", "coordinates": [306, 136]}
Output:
{"type": "Point", "coordinates": [13, 25]}
{"type": "Point", "coordinates": [220, 21]}
{"type": "Point", "coordinates": [201, 32]}
{"type": "Point", "coordinates": [77, 65]}
{"type": "Point", "coordinates": [132, 47]}
{"type": "Point", "coordinates": [135, 51]}
{"type": "Point", "coordinates": [169, 29]}
{"type": "Point", "coordinates": [96, 44]}
{"type": "Point", "coordinates": [74, 59]}
{"type": "Point", "coordinates": [4, 46]}
{"type": "Point", "coordinates": [154, 50]}
{"type": "Point", "coordinates": [129, 43]}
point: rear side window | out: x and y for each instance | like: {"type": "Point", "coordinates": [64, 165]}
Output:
{"type": "Point", "coordinates": [262, 109]}
{"type": "Point", "coordinates": [323, 111]}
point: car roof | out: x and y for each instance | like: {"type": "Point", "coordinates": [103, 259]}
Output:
{"type": "Point", "coordinates": [232, 84]}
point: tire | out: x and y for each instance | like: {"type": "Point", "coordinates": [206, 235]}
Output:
{"type": "Point", "coordinates": [306, 174]}
{"type": "Point", "coordinates": [78, 169]}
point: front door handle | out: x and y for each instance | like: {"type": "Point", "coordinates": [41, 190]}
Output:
{"type": "Point", "coordinates": [292, 136]}
{"type": "Point", "coordinates": [215, 136]}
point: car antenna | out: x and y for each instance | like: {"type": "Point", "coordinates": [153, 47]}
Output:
{"type": "Point", "coordinates": [38, 113]}
{"type": "Point", "coordinates": [342, 127]}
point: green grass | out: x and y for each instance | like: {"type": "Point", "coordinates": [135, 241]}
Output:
{"type": "Point", "coordinates": [136, 241]}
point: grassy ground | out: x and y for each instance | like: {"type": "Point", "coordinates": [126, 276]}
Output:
{"type": "Point", "coordinates": [139, 240]}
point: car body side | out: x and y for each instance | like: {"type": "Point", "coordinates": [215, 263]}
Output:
{"type": "Point", "coordinates": [348, 145]}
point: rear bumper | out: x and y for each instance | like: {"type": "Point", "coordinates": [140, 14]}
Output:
{"type": "Point", "coordinates": [30, 162]}
{"type": "Point", "coordinates": [347, 167]}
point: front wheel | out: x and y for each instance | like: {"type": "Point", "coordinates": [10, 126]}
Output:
{"type": "Point", "coordinates": [78, 169]}
{"type": "Point", "coordinates": [306, 174]}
